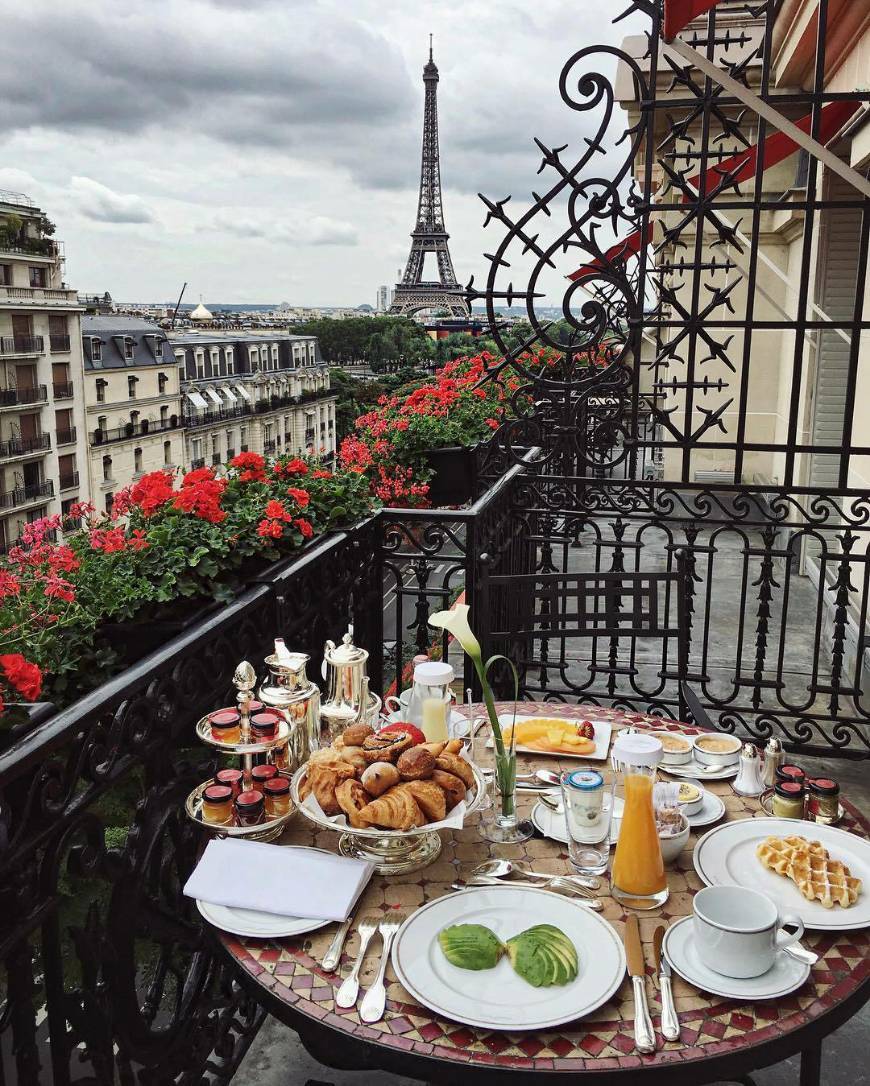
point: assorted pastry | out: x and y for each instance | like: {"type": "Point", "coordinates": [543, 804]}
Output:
{"type": "Point", "coordinates": [387, 780]}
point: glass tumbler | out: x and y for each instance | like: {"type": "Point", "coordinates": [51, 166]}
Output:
{"type": "Point", "coordinates": [587, 820]}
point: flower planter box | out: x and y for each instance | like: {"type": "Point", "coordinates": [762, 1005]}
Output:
{"type": "Point", "coordinates": [455, 474]}
{"type": "Point", "coordinates": [134, 639]}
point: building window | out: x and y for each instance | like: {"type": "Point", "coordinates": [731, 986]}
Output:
{"type": "Point", "coordinates": [107, 470]}
{"type": "Point", "coordinates": [5, 275]}
{"type": "Point", "coordinates": [137, 461]}
{"type": "Point", "coordinates": [110, 501]}
{"type": "Point", "coordinates": [129, 347]}
{"type": "Point", "coordinates": [231, 366]}
{"type": "Point", "coordinates": [96, 350]}
{"type": "Point", "coordinates": [66, 506]}
{"type": "Point", "coordinates": [181, 376]}
{"type": "Point", "coordinates": [131, 387]}
{"type": "Point", "coordinates": [200, 364]}
{"type": "Point", "coordinates": [38, 277]}
{"type": "Point", "coordinates": [101, 391]}
{"type": "Point", "coordinates": [167, 452]}
{"type": "Point", "coordinates": [214, 355]}
{"type": "Point", "coordinates": [161, 383]}
{"type": "Point", "coordinates": [158, 348]}
{"type": "Point", "coordinates": [164, 414]}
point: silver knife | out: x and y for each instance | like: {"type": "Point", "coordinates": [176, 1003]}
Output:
{"type": "Point", "coordinates": [670, 1022]}
{"type": "Point", "coordinates": [644, 1035]}
{"type": "Point", "coordinates": [332, 956]}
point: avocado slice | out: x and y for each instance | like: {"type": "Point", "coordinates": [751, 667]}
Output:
{"type": "Point", "coordinates": [543, 955]}
{"type": "Point", "coordinates": [470, 946]}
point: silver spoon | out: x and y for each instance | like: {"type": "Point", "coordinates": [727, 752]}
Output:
{"type": "Point", "coordinates": [499, 869]}
{"type": "Point", "coordinates": [547, 776]}
{"type": "Point", "coordinates": [555, 883]}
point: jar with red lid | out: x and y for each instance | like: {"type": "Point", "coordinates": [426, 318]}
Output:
{"type": "Point", "coordinates": [250, 808]}
{"type": "Point", "coordinates": [276, 794]}
{"type": "Point", "coordinates": [225, 726]}
{"type": "Point", "coordinates": [823, 800]}
{"type": "Point", "coordinates": [232, 778]}
{"type": "Point", "coordinates": [264, 726]}
{"type": "Point", "coordinates": [788, 799]}
{"type": "Point", "coordinates": [262, 773]}
{"type": "Point", "coordinates": [788, 772]}
{"type": "Point", "coordinates": [217, 805]}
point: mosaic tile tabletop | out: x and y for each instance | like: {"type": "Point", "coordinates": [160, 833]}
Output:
{"type": "Point", "coordinates": [711, 1025]}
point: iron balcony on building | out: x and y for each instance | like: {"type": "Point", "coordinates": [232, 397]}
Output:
{"type": "Point", "coordinates": [21, 345]}
{"type": "Point", "coordinates": [66, 437]}
{"type": "Point", "coordinates": [58, 343]}
{"type": "Point", "coordinates": [23, 495]}
{"type": "Point", "coordinates": [63, 391]}
{"type": "Point", "coordinates": [38, 297]}
{"type": "Point", "coordinates": [14, 397]}
{"type": "Point", "coordinates": [133, 429]}
{"type": "Point", "coordinates": [208, 418]}
{"type": "Point", "coordinates": [24, 446]}
{"type": "Point", "coordinates": [69, 482]}
{"type": "Point", "coordinates": [198, 463]}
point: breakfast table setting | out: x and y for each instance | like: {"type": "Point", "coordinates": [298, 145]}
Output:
{"type": "Point", "coordinates": [518, 890]}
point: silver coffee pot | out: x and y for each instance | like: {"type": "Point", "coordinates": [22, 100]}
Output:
{"type": "Point", "coordinates": [289, 690]}
{"type": "Point", "coordinates": [348, 700]}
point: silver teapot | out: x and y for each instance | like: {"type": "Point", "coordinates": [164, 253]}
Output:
{"type": "Point", "coordinates": [289, 690]}
{"type": "Point", "coordinates": [348, 700]}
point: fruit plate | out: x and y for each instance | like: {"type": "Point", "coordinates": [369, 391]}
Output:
{"type": "Point", "coordinates": [498, 998]}
{"type": "Point", "coordinates": [725, 856]}
{"type": "Point", "coordinates": [603, 729]}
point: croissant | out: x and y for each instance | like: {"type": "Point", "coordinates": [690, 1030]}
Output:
{"type": "Point", "coordinates": [324, 779]}
{"type": "Point", "coordinates": [352, 797]}
{"type": "Point", "coordinates": [452, 763]}
{"type": "Point", "coordinates": [394, 810]}
{"type": "Point", "coordinates": [453, 787]}
{"type": "Point", "coordinates": [453, 746]}
{"type": "Point", "coordinates": [434, 748]}
{"type": "Point", "coordinates": [431, 799]}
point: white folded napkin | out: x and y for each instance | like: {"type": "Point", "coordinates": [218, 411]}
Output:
{"type": "Point", "coordinates": [278, 879]}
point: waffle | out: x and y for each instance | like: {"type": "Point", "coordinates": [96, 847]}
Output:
{"type": "Point", "coordinates": [811, 868]}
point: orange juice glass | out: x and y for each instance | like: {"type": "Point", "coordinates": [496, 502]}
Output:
{"type": "Point", "coordinates": [637, 877]}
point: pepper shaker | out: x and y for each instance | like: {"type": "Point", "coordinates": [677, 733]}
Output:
{"type": "Point", "coordinates": [750, 780]}
{"type": "Point", "coordinates": [774, 756]}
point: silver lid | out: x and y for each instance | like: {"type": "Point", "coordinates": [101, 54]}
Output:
{"type": "Point", "coordinates": [749, 751]}
{"type": "Point", "coordinates": [774, 746]}
{"type": "Point", "coordinates": [345, 654]}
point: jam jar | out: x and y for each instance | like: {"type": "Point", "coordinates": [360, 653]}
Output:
{"type": "Point", "coordinates": [249, 808]}
{"type": "Point", "coordinates": [232, 778]}
{"type": "Point", "coordinates": [276, 794]}
{"type": "Point", "coordinates": [217, 805]}
{"type": "Point", "coordinates": [264, 726]}
{"type": "Point", "coordinates": [788, 772]}
{"type": "Point", "coordinates": [823, 800]}
{"type": "Point", "coordinates": [788, 799]}
{"type": "Point", "coordinates": [262, 773]}
{"type": "Point", "coordinates": [225, 725]}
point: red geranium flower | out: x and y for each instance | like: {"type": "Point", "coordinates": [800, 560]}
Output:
{"type": "Point", "coordinates": [9, 585]}
{"type": "Point", "coordinates": [276, 511]}
{"type": "Point", "coordinates": [301, 497]}
{"type": "Point", "coordinates": [296, 467]}
{"type": "Point", "coordinates": [304, 527]}
{"type": "Point", "coordinates": [22, 676]}
{"type": "Point", "coordinates": [273, 529]}
{"type": "Point", "coordinates": [251, 467]}
{"type": "Point", "coordinates": [152, 491]}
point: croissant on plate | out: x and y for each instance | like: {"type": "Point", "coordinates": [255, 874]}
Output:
{"type": "Point", "coordinates": [394, 810]}
{"type": "Point", "coordinates": [452, 763]}
{"type": "Point", "coordinates": [431, 799]}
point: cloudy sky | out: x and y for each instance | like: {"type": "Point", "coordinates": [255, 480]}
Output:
{"type": "Point", "coordinates": [268, 150]}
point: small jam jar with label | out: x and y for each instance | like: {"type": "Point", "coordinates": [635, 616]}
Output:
{"type": "Point", "coordinates": [225, 725]}
{"type": "Point", "coordinates": [249, 808]}
{"type": "Point", "coordinates": [823, 801]}
{"type": "Point", "coordinates": [262, 773]}
{"type": "Point", "coordinates": [264, 726]}
{"type": "Point", "coordinates": [787, 772]}
{"type": "Point", "coordinates": [232, 778]}
{"type": "Point", "coordinates": [217, 805]}
{"type": "Point", "coordinates": [788, 799]}
{"type": "Point", "coordinates": [276, 794]}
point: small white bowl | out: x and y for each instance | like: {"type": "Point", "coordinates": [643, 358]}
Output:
{"type": "Point", "coordinates": [691, 806]}
{"type": "Point", "coordinates": [683, 747]}
{"type": "Point", "coordinates": [673, 846]}
{"type": "Point", "coordinates": [728, 755]}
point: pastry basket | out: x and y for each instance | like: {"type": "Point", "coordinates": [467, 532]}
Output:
{"type": "Point", "coordinates": [393, 852]}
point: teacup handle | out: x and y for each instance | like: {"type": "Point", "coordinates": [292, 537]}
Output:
{"type": "Point", "coordinates": [783, 939]}
{"type": "Point", "coordinates": [392, 703]}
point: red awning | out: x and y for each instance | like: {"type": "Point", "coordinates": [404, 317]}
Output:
{"type": "Point", "coordinates": [742, 168]}
{"type": "Point", "coordinates": [678, 13]}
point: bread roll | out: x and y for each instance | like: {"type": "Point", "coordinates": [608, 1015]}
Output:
{"type": "Point", "coordinates": [378, 777]}
{"type": "Point", "coordinates": [387, 747]}
{"type": "Point", "coordinates": [415, 764]}
{"type": "Point", "coordinates": [356, 735]}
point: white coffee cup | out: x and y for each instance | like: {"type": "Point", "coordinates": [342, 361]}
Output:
{"type": "Point", "coordinates": [736, 930]}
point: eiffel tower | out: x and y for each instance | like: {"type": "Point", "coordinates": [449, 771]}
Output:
{"type": "Point", "coordinates": [413, 293]}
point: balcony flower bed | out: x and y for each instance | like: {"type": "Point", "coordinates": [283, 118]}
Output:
{"type": "Point", "coordinates": [172, 546]}
{"type": "Point", "coordinates": [417, 446]}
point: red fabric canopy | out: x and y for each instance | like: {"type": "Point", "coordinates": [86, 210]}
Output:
{"type": "Point", "coordinates": [680, 12]}
{"type": "Point", "coordinates": [742, 168]}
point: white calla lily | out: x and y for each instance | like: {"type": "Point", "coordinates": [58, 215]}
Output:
{"type": "Point", "coordinates": [456, 623]}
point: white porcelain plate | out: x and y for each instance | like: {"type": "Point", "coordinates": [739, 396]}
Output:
{"type": "Point", "coordinates": [256, 925]}
{"type": "Point", "coordinates": [678, 946]}
{"type": "Point", "coordinates": [711, 810]}
{"type": "Point", "coordinates": [603, 730]}
{"type": "Point", "coordinates": [498, 998]}
{"type": "Point", "coordinates": [726, 856]}
{"type": "Point", "coordinates": [457, 727]}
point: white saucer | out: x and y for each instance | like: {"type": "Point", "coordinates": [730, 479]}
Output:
{"type": "Point", "coordinates": [786, 975]}
{"type": "Point", "coordinates": [257, 925]}
{"type": "Point", "coordinates": [552, 823]}
{"type": "Point", "coordinates": [457, 726]}
{"type": "Point", "coordinates": [712, 809]}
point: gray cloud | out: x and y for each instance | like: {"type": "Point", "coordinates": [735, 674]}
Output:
{"type": "Point", "coordinates": [99, 202]}
{"type": "Point", "coordinates": [311, 230]}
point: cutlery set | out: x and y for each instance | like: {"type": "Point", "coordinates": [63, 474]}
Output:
{"type": "Point", "coordinates": [375, 999]}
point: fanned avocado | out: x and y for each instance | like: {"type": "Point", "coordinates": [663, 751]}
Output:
{"type": "Point", "coordinates": [470, 946]}
{"type": "Point", "coordinates": [543, 955]}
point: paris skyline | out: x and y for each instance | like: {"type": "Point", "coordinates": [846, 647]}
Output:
{"type": "Point", "coordinates": [269, 151]}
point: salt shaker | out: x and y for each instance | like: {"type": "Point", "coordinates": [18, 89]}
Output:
{"type": "Point", "coordinates": [774, 756]}
{"type": "Point", "coordinates": [750, 780]}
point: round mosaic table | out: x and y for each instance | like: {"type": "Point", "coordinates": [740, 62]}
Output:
{"type": "Point", "coordinates": [720, 1038]}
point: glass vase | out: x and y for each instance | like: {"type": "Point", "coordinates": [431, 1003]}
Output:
{"type": "Point", "coordinates": [503, 827]}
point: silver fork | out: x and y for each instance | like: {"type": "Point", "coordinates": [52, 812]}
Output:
{"type": "Point", "coordinates": [347, 993]}
{"type": "Point", "coordinates": [375, 999]}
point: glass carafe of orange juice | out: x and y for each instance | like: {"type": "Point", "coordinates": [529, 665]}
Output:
{"type": "Point", "coordinates": [637, 878]}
